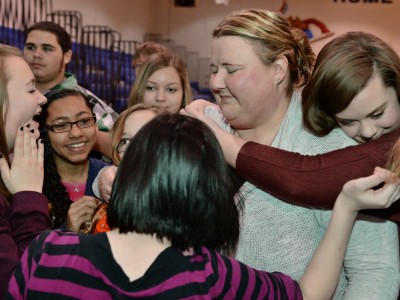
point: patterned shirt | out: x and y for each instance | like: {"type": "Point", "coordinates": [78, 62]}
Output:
{"type": "Point", "coordinates": [104, 113]}
{"type": "Point", "coordinates": [65, 265]}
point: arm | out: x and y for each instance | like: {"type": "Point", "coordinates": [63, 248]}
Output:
{"type": "Point", "coordinates": [320, 278]}
{"type": "Point", "coordinates": [265, 166]}
{"type": "Point", "coordinates": [27, 213]}
{"type": "Point", "coordinates": [26, 218]}
{"type": "Point", "coordinates": [106, 180]}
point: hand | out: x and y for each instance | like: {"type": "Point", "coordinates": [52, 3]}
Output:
{"type": "Point", "coordinates": [106, 180]}
{"type": "Point", "coordinates": [362, 193]}
{"type": "Point", "coordinates": [208, 113]}
{"type": "Point", "coordinates": [26, 171]}
{"type": "Point", "coordinates": [80, 212]}
{"type": "Point", "coordinates": [197, 107]}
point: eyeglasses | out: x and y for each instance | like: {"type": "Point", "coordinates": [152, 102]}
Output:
{"type": "Point", "coordinates": [66, 126]}
{"type": "Point", "coordinates": [123, 145]}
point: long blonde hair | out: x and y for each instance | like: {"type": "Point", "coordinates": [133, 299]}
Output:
{"type": "Point", "coordinates": [154, 63]}
{"type": "Point", "coordinates": [5, 53]}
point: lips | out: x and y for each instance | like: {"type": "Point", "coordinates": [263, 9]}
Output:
{"type": "Point", "coordinates": [36, 65]}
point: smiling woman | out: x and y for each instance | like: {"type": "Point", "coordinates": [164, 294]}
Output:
{"type": "Point", "coordinates": [23, 208]}
{"type": "Point", "coordinates": [67, 127]}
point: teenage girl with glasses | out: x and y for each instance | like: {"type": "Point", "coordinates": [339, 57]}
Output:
{"type": "Point", "coordinates": [67, 128]}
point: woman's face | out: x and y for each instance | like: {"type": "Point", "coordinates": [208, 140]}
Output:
{"type": "Point", "coordinates": [133, 123]}
{"type": "Point", "coordinates": [373, 112]}
{"type": "Point", "coordinates": [164, 89]}
{"type": "Point", "coordinates": [24, 99]}
{"type": "Point", "coordinates": [73, 146]}
{"type": "Point", "coordinates": [244, 87]}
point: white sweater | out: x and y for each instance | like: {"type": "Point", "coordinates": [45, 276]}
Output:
{"type": "Point", "coordinates": [277, 236]}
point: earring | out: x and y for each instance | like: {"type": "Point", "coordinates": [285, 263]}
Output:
{"type": "Point", "coordinates": [279, 81]}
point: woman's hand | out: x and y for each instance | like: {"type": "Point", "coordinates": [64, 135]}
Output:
{"type": "Point", "coordinates": [26, 171]}
{"type": "Point", "coordinates": [197, 109]}
{"type": "Point", "coordinates": [81, 211]}
{"type": "Point", "coordinates": [106, 180]}
{"type": "Point", "coordinates": [378, 191]}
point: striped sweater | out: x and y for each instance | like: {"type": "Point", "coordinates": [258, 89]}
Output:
{"type": "Point", "coordinates": [65, 265]}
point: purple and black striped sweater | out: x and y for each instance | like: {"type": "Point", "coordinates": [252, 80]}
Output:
{"type": "Point", "coordinates": [64, 265]}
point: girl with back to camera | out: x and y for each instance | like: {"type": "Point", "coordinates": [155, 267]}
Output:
{"type": "Point", "coordinates": [23, 207]}
{"type": "Point", "coordinates": [167, 219]}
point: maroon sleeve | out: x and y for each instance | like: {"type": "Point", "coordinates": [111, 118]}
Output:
{"type": "Point", "coordinates": [314, 181]}
{"type": "Point", "coordinates": [20, 222]}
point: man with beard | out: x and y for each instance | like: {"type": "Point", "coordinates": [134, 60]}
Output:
{"type": "Point", "coordinates": [47, 50]}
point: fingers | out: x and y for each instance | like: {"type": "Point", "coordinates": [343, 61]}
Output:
{"type": "Point", "coordinates": [197, 107]}
{"type": "Point", "coordinates": [377, 191]}
{"type": "Point", "coordinates": [25, 172]}
{"type": "Point", "coordinates": [106, 180]}
{"type": "Point", "coordinates": [4, 169]}
{"type": "Point", "coordinates": [19, 143]}
{"type": "Point", "coordinates": [80, 212]}
{"type": "Point", "coordinates": [40, 153]}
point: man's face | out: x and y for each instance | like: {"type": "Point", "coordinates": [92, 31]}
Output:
{"type": "Point", "coordinates": [45, 57]}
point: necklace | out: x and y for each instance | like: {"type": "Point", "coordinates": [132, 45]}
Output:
{"type": "Point", "coordinates": [74, 187]}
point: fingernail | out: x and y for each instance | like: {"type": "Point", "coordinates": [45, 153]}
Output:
{"type": "Point", "coordinates": [21, 128]}
{"type": "Point", "coordinates": [32, 130]}
{"type": "Point", "coordinates": [41, 141]}
{"type": "Point", "coordinates": [28, 125]}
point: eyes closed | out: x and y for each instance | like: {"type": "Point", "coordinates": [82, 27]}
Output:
{"type": "Point", "coordinates": [347, 123]}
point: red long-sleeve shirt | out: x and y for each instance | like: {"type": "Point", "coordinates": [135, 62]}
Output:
{"type": "Point", "coordinates": [315, 181]}
{"type": "Point", "coordinates": [20, 222]}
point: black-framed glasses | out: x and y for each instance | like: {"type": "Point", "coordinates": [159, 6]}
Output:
{"type": "Point", "coordinates": [66, 126]}
{"type": "Point", "coordinates": [123, 145]}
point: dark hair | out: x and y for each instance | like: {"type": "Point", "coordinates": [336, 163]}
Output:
{"type": "Point", "coordinates": [52, 185]}
{"type": "Point", "coordinates": [173, 183]}
{"type": "Point", "coordinates": [343, 68]}
{"type": "Point", "coordinates": [62, 35]}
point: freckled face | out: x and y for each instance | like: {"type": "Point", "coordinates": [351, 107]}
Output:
{"type": "Point", "coordinates": [373, 112]}
{"type": "Point", "coordinates": [73, 146]}
{"type": "Point", "coordinates": [24, 100]}
{"type": "Point", "coordinates": [164, 89]}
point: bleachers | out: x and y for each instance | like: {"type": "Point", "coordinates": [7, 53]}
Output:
{"type": "Point", "coordinates": [101, 59]}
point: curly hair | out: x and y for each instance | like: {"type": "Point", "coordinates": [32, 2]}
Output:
{"type": "Point", "coordinates": [53, 188]}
